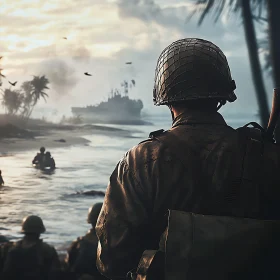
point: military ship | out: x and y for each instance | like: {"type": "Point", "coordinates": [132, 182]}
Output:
{"type": "Point", "coordinates": [118, 109]}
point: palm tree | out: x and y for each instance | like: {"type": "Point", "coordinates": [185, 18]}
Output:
{"type": "Point", "coordinates": [247, 9]}
{"type": "Point", "coordinates": [11, 100]}
{"type": "Point", "coordinates": [274, 43]}
{"type": "Point", "coordinates": [28, 98]}
{"type": "Point", "coordinates": [33, 91]}
{"type": "Point", "coordinates": [39, 85]}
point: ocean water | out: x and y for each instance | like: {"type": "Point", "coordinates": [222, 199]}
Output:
{"type": "Point", "coordinates": [53, 196]}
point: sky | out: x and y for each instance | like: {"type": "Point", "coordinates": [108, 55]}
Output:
{"type": "Point", "coordinates": [101, 36]}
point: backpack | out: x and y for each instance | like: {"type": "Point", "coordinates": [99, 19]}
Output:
{"type": "Point", "coordinates": [25, 263]}
{"type": "Point", "coordinates": [199, 247]}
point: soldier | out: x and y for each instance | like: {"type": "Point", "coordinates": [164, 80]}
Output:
{"type": "Point", "coordinates": [196, 166]}
{"type": "Point", "coordinates": [81, 257]}
{"type": "Point", "coordinates": [48, 161]}
{"type": "Point", "coordinates": [5, 246]}
{"type": "Point", "coordinates": [31, 258]}
{"type": "Point", "coordinates": [39, 157]}
{"type": "Point", "coordinates": [1, 179]}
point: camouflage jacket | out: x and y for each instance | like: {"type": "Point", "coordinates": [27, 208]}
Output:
{"type": "Point", "coordinates": [150, 179]}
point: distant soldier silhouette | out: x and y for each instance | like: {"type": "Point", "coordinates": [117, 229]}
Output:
{"type": "Point", "coordinates": [38, 159]}
{"type": "Point", "coordinates": [1, 179]}
{"type": "Point", "coordinates": [31, 258]}
{"type": "Point", "coordinates": [48, 161]}
{"type": "Point", "coordinates": [81, 257]}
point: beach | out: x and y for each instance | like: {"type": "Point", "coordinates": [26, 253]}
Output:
{"type": "Point", "coordinates": [55, 136]}
{"type": "Point", "coordinates": [84, 163]}
{"type": "Point", "coordinates": [85, 159]}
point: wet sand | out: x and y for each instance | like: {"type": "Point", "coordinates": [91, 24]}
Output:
{"type": "Point", "coordinates": [56, 137]}
{"type": "Point", "coordinates": [9, 146]}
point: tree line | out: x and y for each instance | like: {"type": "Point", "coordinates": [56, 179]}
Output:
{"type": "Point", "coordinates": [22, 101]}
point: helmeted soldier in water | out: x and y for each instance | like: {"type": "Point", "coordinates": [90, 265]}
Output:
{"type": "Point", "coordinates": [196, 166]}
{"type": "Point", "coordinates": [39, 157]}
{"type": "Point", "coordinates": [48, 161]}
{"type": "Point", "coordinates": [81, 257]}
{"type": "Point", "coordinates": [31, 258]}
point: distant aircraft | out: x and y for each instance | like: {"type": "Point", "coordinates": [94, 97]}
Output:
{"type": "Point", "coordinates": [13, 84]}
{"type": "Point", "coordinates": [87, 74]}
{"type": "Point", "coordinates": [129, 62]}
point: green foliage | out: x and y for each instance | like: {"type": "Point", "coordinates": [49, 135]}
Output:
{"type": "Point", "coordinates": [24, 100]}
{"type": "Point", "coordinates": [217, 7]}
{"type": "Point", "coordinates": [39, 84]}
{"type": "Point", "coordinates": [12, 100]}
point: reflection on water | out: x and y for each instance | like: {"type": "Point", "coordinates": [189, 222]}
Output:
{"type": "Point", "coordinates": [49, 194]}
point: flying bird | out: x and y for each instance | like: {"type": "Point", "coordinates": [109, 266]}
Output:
{"type": "Point", "coordinates": [129, 62]}
{"type": "Point", "coordinates": [65, 38]}
{"type": "Point", "coordinates": [1, 57]}
{"type": "Point", "coordinates": [13, 84]}
{"type": "Point", "coordinates": [133, 82]}
{"type": "Point", "coordinates": [87, 74]}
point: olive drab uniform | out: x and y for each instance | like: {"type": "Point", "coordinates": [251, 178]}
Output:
{"type": "Point", "coordinates": [197, 166]}
{"type": "Point", "coordinates": [31, 258]}
{"type": "Point", "coordinates": [39, 261]}
{"type": "Point", "coordinates": [5, 246]}
{"type": "Point", "coordinates": [81, 257]}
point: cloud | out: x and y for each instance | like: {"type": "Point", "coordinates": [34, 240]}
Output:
{"type": "Point", "coordinates": [102, 35]}
{"type": "Point", "coordinates": [149, 11]}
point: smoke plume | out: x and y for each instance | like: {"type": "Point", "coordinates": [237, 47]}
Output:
{"type": "Point", "coordinates": [62, 76]}
{"type": "Point", "coordinates": [81, 54]}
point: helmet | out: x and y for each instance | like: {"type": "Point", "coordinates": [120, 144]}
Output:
{"type": "Point", "coordinates": [32, 224]}
{"type": "Point", "coordinates": [93, 213]}
{"type": "Point", "coordinates": [190, 69]}
{"type": "Point", "coordinates": [42, 149]}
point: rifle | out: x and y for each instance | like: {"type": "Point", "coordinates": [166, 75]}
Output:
{"type": "Point", "coordinates": [274, 115]}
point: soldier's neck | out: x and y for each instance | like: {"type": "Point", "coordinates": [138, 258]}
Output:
{"type": "Point", "coordinates": [31, 238]}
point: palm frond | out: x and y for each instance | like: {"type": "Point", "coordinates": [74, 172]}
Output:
{"type": "Point", "coordinates": [206, 10]}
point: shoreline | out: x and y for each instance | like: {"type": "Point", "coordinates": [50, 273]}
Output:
{"type": "Point", "coordinates": [58, 137]}
{"type": "Point", "coordinates": [10, 146]}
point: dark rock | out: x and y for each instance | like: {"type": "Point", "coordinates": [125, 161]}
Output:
{"type": "Point", "coordinates": [92, 193]}
{"type": "Point", "coordinates": [61, 140]}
